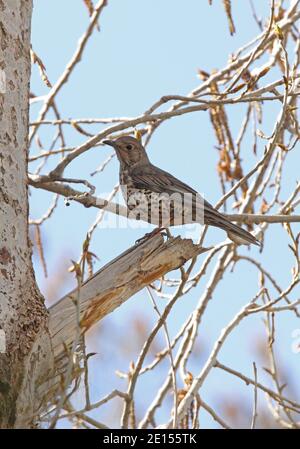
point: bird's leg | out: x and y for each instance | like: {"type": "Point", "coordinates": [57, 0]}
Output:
{"type": "Point", "coordinates": [149, 235]}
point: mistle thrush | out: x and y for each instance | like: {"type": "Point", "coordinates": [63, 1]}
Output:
{"type": "Point", "coordinates": [155, 196]}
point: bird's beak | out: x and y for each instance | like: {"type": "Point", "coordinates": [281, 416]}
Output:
{"type": "Point", "coordinates": [109, 142]}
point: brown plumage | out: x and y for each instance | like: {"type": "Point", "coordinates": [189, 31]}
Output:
{"type": "Point", "coordinates": [156, 196]}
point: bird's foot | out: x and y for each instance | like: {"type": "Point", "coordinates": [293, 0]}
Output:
{"type": "Point", "coordinates": [151, 234]}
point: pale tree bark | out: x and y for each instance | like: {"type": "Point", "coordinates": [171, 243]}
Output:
{"type": "Point", "coordinates": [23, 317]}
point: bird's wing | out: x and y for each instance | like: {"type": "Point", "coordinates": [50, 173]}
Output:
{"type": "Point", "coordinates": [157, 180]}
{"type": "Point", "coordinates": [154, 179]}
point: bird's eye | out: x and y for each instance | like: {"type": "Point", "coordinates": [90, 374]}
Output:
{"type": "Point", "coordinates": [129, 147]}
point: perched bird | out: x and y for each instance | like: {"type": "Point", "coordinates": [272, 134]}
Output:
{"type": "Point", "coordinates": [155, 196]}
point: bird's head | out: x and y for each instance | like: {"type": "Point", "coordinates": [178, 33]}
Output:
{"type": "Point", "coordinates": [129, 150]}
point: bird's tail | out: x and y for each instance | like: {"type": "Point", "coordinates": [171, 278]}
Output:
{"type": "Point", "coordinates": [234, 232]}
{"type": "Point", "coordinates": [239, 235]}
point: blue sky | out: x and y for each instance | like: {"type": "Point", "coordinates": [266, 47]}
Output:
{"type": "Point", "coordinates": [147, 49]}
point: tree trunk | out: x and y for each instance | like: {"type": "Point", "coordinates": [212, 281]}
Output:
{"type": "Point", "coordinates": [24, 338]}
